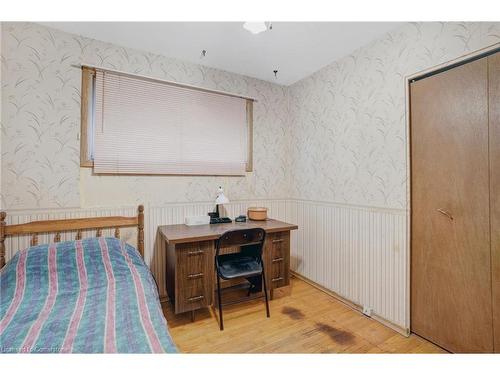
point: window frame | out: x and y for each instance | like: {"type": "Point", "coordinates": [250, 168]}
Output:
{"type": "Point", "coordinates": [86, 125]}
{"type": "Point", "coordinates": [88, 76]}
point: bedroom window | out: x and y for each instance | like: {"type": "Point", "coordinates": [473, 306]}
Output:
{"type": "Point", "coordinates": [139, 125]}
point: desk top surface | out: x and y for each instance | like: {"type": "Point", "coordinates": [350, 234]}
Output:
{"type": "Point", "coordinates": [181, 233]}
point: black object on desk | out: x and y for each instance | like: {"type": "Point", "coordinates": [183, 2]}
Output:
{"type": "Point", "coordinates": [220, 220]}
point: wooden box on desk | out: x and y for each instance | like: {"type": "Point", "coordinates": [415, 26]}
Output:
{"type": "Point", "coordinates": [190, 259]}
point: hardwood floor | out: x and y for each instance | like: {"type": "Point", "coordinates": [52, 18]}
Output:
{"type": "Point", "coordinates": [303, 320]}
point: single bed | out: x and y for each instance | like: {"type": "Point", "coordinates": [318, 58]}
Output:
{"type": "Point", "coordinates": [92, 295]}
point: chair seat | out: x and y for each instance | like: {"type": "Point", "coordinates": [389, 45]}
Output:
{"type": "Point", "coordinates": [232, 266]}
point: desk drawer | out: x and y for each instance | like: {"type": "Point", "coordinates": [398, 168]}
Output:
{"type": "Point", "coordinates": [193, 257]}
{"type": "Point", "coordinates": [278, 271]}
{"type": "Point", "coordinates": [194, 276]}
{"type": "Point", "coordinates": [278, 259]}
{"type": "Point", "coordinates": [193, 298]}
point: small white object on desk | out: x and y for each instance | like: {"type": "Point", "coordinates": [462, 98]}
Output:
{"type": "Point", "coordinates": [197, 220]}
{"type": "Point", "coordinates": [220, 200]}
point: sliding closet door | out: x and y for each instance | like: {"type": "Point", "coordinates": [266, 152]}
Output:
{"type": "Point", "coordinates": [451, 301]}
{"type": "Point", "coordinates": [494, 106]}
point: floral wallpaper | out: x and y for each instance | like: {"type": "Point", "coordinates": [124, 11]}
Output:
{"type": "Point", "coordinates": [348, 126]}
{"type": "Point", "coordinates": [338, 135]}
{"type": "Point", "coordinates": [41, 124]}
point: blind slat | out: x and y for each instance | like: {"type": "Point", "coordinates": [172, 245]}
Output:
{"type": "Point", "coordinates": [146, 127]}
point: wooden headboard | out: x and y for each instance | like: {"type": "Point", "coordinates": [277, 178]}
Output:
{"type": "Point", "coordinates": [72, 225]}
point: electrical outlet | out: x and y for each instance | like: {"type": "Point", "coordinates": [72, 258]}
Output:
{"type": "Point", "coordinates": [367, 311]}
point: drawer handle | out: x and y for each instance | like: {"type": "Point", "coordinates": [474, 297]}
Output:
{"type": "Point", "coordinates": [197, 298]}
{"type": "Point", "coordinates": [278, 240]}
{"type": "Point", "coordinates": [197, 252]}
{"type": "Point", "coordinates": [276, 260]}
{"type": "Point", "coordinates": [445, 213]}
{"type": "Point", "coordinates": [276, 279]}
{"type": "Point", "coordinates": [195, 275]}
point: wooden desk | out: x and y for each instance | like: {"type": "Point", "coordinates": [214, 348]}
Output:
{"type": "Point", "coordinates": [190, 259]}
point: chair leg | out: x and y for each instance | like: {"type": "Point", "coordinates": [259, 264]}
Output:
{"type": "Point", "coordinates": [265, 292]}
{"type": "Point", "coordinates": [221, 322]}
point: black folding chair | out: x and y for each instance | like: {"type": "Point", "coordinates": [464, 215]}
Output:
{"type": "Point", "coordinates": [245, 264]}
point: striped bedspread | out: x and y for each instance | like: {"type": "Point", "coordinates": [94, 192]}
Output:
{"type": "Point", "coordinates": [90, 296]}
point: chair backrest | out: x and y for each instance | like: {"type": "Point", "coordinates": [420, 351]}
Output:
{"type": "Point", "coordinates": [254, 237]}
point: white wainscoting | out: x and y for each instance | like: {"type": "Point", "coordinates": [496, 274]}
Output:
{"type": "Point", "coordinates": [154, 216]}
{"type": "Point", "coordinates": [359, 253]}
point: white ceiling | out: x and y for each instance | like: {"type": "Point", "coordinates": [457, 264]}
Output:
{"type": "Point", "coordinates": [295, 49]}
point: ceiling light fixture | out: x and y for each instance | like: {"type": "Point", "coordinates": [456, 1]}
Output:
{"type": "Point", "coordinates": [257, 27]}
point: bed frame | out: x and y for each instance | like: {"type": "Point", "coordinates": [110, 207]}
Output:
{"type": "Point", "coordinates": [33, 228]}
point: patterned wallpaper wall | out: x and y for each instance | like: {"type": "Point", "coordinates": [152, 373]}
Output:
{"type": "Point", "coordinates": [348, 129]}
{"type": "Point", "coordinates": [41, 122]}
{"type": "Point", "coordinates": [338, 135]}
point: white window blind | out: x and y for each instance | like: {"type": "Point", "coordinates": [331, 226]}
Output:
{"type": "Point", "coordinates": [144, 126]}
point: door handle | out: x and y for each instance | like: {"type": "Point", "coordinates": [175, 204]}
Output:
{"type": "Point", "coordinates": [445, 213]}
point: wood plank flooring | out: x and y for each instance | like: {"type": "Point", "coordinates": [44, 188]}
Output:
{"type": "Point", "coordinates": [303, 320]}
